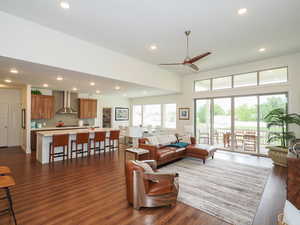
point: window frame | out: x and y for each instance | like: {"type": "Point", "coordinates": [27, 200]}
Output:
{"type": "Point", "coordinates": [132, 113]}
{"type": "Point", "coordinates": [239, 74]}
{"type": "Point", "coordinates": [162, 112]}
{"type": "Point", "coordinates": [212, 83]}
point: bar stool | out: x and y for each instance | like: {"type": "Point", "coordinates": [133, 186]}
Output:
{"type": "Point", "coordinates": [61, 140]}
{"type": "Point", "coordinates": [4, 170]}
{"type": "Point", "coordinates": [114, 137]}
{"type": "Point", "coordinates": [99, 138]}
{"type": "Point", "coordinates": [5, 183]}
{"type": "Point", "coordinates": [81, 139]}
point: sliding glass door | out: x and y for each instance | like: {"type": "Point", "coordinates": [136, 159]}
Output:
{"type": "Point", "coordinates": [245, 124]}
{"type": "Point", "coordinates": [237, 123]}
{"type": "Point", "coordinates": [203, 120]}
{"type": "Point", "coordinates": [221, 121]}
{"type": "Point", "coordinates": [266, 104]}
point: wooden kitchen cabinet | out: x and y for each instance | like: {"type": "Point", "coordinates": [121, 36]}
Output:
{"type": "Point", "coordinates": [42, 107]}
{"type": "Point", "coordinates": [87, 108]}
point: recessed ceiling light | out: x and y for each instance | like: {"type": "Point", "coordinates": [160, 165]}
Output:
{"type": "Point", "coordinates": [92, 83]}
{"type": "Point", "coordinates": [45, 85]}
{"type": "Point", "coordinates": [7, 81]}
{"type": "Point", "coordinates": [117, 87]}
{"type": "Point", "coordinates": [98, 92]}
{"type": "Point", "coordinates": [262, 50]}
{"type": "Point", "coordinates": [64, 5]}
{"type": "Point", "coordinates": [75, 89]}
{"type": "Point", "coordinates": [2, 85]}
{"type": "Point", "coordinates": [59, 78]}
{"type": "Point", "coordinates": [14, 71]}
{"type": "Point", "coordinates": [153, 47]}
{"type": "Point", "coordinates": [242, 11]}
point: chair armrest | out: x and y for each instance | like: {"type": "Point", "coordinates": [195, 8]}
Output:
{"type": "Point", "coordinates": [151, 148]}
{"type": "Point", "coordinates": [157, 176]}
{"type": "Point", "coordinates": [151, 163]}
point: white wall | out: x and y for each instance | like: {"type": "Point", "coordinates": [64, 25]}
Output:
{"type": "Point", "coordinates": [187, 98]}
{"type": "Point", "coordinates": [12, 97]}
{"type": "Point", "coordinates": [112, 101]}
{"type": "Point", "coordinates": [25, 40]}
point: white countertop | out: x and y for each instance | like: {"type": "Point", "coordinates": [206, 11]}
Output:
{"type": "Point", "coordinates": [50, 133]}
{"type": "Point", "coordinates": [60, 128]}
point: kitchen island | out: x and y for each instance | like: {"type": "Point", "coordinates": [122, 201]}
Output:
{"type": "Point", "coordinates": [44, 138]}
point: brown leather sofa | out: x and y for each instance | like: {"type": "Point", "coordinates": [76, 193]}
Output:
{"type": "Point", "coordinates": [150, 189]}
{"type": "Point", "coordinates": [164, 154]}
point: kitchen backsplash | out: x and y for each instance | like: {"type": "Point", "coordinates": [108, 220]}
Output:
{"type": "Point", "coordinates": [68, 119]}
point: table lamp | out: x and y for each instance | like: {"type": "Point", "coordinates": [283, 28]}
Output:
{"type": "Point", "coordinates": [135, 133]}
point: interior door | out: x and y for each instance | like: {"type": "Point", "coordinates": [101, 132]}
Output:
{"type": "Point", "coordinates": [3, 124]}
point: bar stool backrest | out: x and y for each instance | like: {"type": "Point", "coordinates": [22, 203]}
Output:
{"type": "Point", "coordinates": [114, 135]}
{"type": "Point", "coordinates": [82, 138]}
{"type": "Point", "coordinates": [60, 140]}
{"type": "Point", "coordinates": [100, 136]}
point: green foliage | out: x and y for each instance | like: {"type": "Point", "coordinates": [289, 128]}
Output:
{"type": "Point", "coordinates": [36, 92]}
{"type": "Point", "coordinates": [278, 118]}
{"type": "Point", "coordinates": [272, 103]}
{"type": "Point", "coordinates": [218, 111]}
{"type": "Point", "coordinates": [246, 113]}
{"type": "Point", "coordinates": [203, 114]}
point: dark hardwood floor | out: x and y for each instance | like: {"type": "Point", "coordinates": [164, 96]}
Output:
{"type": "Point", "coordinates": [92, 191]}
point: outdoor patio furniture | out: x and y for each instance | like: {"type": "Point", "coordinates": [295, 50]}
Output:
{"type": "Point", "coordinates": [249, 143]}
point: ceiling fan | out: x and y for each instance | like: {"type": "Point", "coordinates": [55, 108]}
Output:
{"type": "Point", "coordinates": [188, 61]}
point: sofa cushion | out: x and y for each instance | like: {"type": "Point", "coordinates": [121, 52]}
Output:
{"type": "Point", "coordinates": [201, 149]}
{"type": "Point", "coordinates": [165, 153]}
{"type": "Point", "coordinates": [163, 140]}
{"type": "Point", "coordinates": [180, 149]}
{"type": "Point", "coordinates": [153, 140]}
{"type": "Point", "coordinates": [179, 145]}
{"type": "Point", "coordinates": [172, 138]}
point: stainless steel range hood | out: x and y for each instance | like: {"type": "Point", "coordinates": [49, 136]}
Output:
{"type": "Point", "coordinates": [66, 109]}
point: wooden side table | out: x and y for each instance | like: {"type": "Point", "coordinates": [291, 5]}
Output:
{"type": "Point", "coordinates": [136, 154]}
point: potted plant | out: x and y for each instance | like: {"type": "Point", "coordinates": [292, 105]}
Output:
{"type": "Point", "coordinates": [279, 119]}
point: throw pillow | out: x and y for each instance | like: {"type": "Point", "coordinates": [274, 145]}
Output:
{"type": "Point", "coordinates": [291, 214]}
{"type": "Point", "coordinates": [145, 166]}
{"type": "Point", "coordinates": [179, 145]}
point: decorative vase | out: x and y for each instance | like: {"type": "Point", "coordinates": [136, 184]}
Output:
{"type": "Point", "coordinates": [278, 155]}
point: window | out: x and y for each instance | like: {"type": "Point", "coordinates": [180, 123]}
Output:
{"type": "Point", "coordinates": [152, 115]}
{"type": "Point", "coordinates": [222, 83]}
{"type": "Point", "coordinates": [273, 76]}
{"type": "Point", "coordinates": [170, 116]}
{"type": "Point", "coordinates": [136, 115]}
{"type": "Point", "coordinates": [202, 85]}
{"type": "Point", "coordinates": [243, 80]}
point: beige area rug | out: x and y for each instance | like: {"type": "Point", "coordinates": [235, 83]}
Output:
{"type": "Point", "coordinates": [226, 190]}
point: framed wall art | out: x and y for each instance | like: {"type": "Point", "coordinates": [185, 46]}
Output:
{"type": "Point", "coordinates": [184, 113]}
{"type": "Point", "coordinates": [121, 114]}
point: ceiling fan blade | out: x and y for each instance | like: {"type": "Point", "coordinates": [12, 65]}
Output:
{"type": "Point", "coordinates": [170, 64]}
{"type": "Point", "coordinates": [193, 66]}
{"type": "Point", "coordinates": [196, 58]}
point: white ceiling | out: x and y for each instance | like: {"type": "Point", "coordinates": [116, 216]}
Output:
{"type": "Point", "coordinates": [131, 26]}
{"type": "Point", "coordinates": [37, 75]}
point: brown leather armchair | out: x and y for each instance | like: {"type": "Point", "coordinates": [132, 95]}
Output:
{"type": "Point", "coordinates": [150, 189]}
